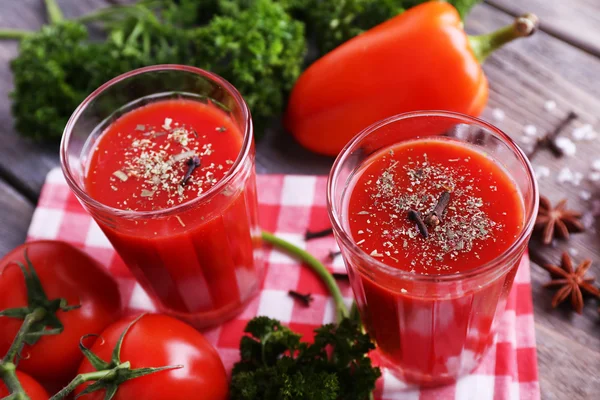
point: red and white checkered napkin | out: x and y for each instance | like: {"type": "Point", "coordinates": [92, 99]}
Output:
{"type": "Point", "coordinates": [289, 205]}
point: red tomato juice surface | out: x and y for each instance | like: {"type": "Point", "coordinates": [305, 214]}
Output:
{"type": "Point", "coordinates": [198, 261]}
{"type": "Point", "coordinates": [433, 332]}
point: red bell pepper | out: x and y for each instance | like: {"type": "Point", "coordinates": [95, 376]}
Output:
{"type": "Point", "coordinates": [420, 60]}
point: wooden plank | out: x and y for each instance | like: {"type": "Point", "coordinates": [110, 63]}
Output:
{"type": "Point", "coordinates": [278, 152]}
{"type": "Point", "coordinates": [523, 76]}
{"type": "Point", "coordinates": [575, 22]}
{"type": "Point", "coordinates": [560, 59]}
{"type": "Point", "coordinates": [14, 218]}
{"type": "Point", "coordinates": [581, 375]}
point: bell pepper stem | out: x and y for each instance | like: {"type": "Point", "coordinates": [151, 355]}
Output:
{"type": "Point", "coordinates": [317, 267]}
{"type": "Point", "coordinates": [484, 45]}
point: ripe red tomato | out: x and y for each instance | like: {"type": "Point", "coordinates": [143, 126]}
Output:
{"type": "Point", "coordinates": [64, 272]}
{"type": "Point", "coordinates": [158, 340]}
{"type": "Point", "coordinates": [34, 390]}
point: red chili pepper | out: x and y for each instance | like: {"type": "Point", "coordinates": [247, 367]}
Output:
{"type": "Point", "coordinates": [419, 60]}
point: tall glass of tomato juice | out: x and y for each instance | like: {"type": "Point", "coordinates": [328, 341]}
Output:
{"type": "Point", "coordinates": [432, 211]}
{"type": "Point", "coordinates": [163, 159]}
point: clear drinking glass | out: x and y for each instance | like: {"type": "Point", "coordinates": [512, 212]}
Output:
{"type": "Point", "coordinates": [440, 328]}
{"type": "Point", "coordinates": [206, 270]}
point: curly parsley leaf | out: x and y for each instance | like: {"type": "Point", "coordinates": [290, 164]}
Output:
{"type": "Point", "coordinates": [275, 364]}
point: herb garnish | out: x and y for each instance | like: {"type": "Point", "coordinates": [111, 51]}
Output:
{"type": "Point", "coordinates": [435, 216]}
{"type": "Point", "coordinates": [171, 166]}
{"type": "Point", "coordinates": [424, 192]}
{"type": "Point", "coordinates": [340, 276]}
{"type": "Point", "coordinates": [333, 254]}
{"type": "Point", "coordinates": [192, 163]}
{"type": "Point", "coordinates": [305, 299]}
{"type": "Point", "coordinates": [121, 175]}
{"type": "Point", "coordinates": [308, 235]}
{"type": "Point", "coordinates": [415, 216]}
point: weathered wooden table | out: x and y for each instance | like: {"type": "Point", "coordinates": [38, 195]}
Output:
{"type": "Point", "coordinates": [560, 64]}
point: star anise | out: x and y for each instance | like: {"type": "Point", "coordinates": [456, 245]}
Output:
{"type": "Point", "coordinates": [571, 282]}
{"type": "Point", "coordinates": [557, 221]}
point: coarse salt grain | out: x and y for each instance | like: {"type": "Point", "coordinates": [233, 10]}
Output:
{"type": "Point", "coordinates": [594, 176]}
{"type": "Point", "coordinates": [566, 175]}
{"type": "Point", "coordinates": [167, 124]}
{"type": "Point", "coordinates": [566, 145]}
{"type": "Point", "coordinates": [541, 171]}
{"type": "Point", "coordinates": [550, 105]}
{"type": "Point", "coordinates": [584, 132]}
{"type": "Point", "coordinates": [588, 220]}
{"type": "Point", "coordinates": [530, 130]}
{"type": "Point", "coordinates": [498, 114]}
{"type": "Point", "coordinates": [527, 139]}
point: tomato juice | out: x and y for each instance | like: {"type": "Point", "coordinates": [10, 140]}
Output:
{"type": "Point", "coordinates": [425, 227]}
{"type": "Point", "coordinates": [191, 245]}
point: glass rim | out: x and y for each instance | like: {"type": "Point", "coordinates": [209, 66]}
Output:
{"type": "Point", "coordinates": [373, 263]}
{"type": "Point", "coordinates": [235, 169]}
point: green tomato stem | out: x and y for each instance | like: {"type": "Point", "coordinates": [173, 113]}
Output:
{"type": "Point", "coordinates": [82, 378]}
{"type": "Point", "coordinates": [484, 45]}
{"type": "Point", "coordinates": [55, 15]}
{"type": "Point", "coordinates": [37, 315]}
{"type": "Point", "coordinates": [7, 366]}
{"type": "Point", "coordinates": [14, 34]}
{"type": "Point", "coordinates": [8, 373]}
{"type": "Point", "coordinates": [316, 266]}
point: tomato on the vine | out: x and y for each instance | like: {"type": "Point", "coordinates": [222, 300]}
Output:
{"type": "Point", "coordinates": [34, 390]}
{"type": "Point", "coordinates": [64, 273]}
{"type": "Point", "coordinates": [157, 340]}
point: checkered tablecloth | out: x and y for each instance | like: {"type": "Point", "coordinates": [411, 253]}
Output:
{"type": "Point", "coordinates": [289, 205]}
